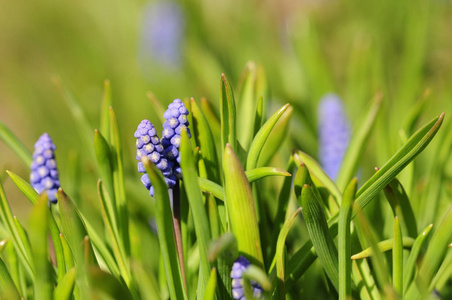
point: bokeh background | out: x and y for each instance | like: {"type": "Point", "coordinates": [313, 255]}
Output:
{"type": "Point", "coordinates": [178, 49]}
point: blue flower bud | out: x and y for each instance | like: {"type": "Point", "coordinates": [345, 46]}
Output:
{"type": "Point", "coordinates": [148, 143]}
{"type": "Point", "coordinates": [334, 134]}
{"type": "Point", "coordinates": [44, 172]}
{"type": "Point", "coordinates": [238, 291]}
{"type": "Point", "coordinates": [176, 120]}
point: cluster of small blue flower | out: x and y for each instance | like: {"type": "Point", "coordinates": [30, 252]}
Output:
{"type": "Point", "coordinates": [44, 173]}
{"type": "Point", "coordinates": [163, 153]}
{"type": "Point", "coordinates": [238, 291]}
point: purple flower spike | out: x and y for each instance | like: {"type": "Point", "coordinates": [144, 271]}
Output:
{"type": "Point", "coordinates": [148, 144]}
{"type": "Point", "coordinates": [163, 32]}
{"type": "Point", "coordinates": [176, 120]}
{"type": "Point", "coordinates": [334, 134]}
{"type": "Point", "coordinates": [44, 173]}
{"type": "Point", "coordinates": [238, 291]}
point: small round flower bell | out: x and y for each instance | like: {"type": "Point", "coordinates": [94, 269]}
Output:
{"type": "Point", "coordinates": [238, 291]}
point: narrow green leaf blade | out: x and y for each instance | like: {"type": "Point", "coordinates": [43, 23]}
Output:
{"type": "Point", "coordinates": [259, 173]}
{"type": "Point", "coordinates": [40, 247]}
{"type": "Point", "coordinates": [106, 103]}
{"type": "Point", "coordinates": [397, 259]}
{"type": "Point", "coordinates": [65, 286]}
{"type": "Point", "coordinates": [211, 285]}
{"type": "Point", "coordinates": [164, 219]}
{"type": "Point", "coordinates": [280, 251]}
{"type": "Point", "coordinates": [344, 241]}
{"type": "Point", "coordinates": [355, 149]}
{"type": "Point", "coordinates": [228, 115]}
{"type": "Point", "coordinates": [11, 140]}
{"type": "Point", "coordinates": [320, 236]}
{"type": "Point", "coordinates": [384, 246]}
{"type": "Point", "coordinates": [261, 137]}
{"type": "Point", "coordinates": [8, 289]}
{"type": "Point", "coordinates": [197, 207]}
{"type": "Point", "coordinates": [241, 208]}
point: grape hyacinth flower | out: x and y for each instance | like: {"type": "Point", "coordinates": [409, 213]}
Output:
{"type": "Point", "coordinates": [44, 173]}
{"type": "Point", "coordinates": [238, 291]}
{"type": "Point", "coordinates": [163, 29]}
{"type": "Point", "coordinates": [148, 144]}
{"type": "Point", "coordinates": [176, 121]}
{"type": "Point", "coordinates": [334, 134]}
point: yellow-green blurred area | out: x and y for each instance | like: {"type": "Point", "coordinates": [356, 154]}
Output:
{"type": "Point", "coordinates": [307, 48]}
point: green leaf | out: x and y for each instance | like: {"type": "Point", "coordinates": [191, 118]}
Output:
{"type": "Point", "coordinates": [211, 187]}
{"type": "Point", "coordinates": [276, 138]}
{"type": "Point", "coordinates": [252, 175]}
{"type": "Point", "coordinates": [103, 285]}
{"type": "Point", "coordinates": [320, 236]}
{"type": "Point", "coordinates": [157, 107]}
{"type": "Point", "coordinates": [256, 274]}
{"type": "Point", "coordinates": [205, 141]}
{"type": "Point", "coordinates": [228, 115]}
{"type": "Point", "coordinates": [408, 271]}
{"type": "Point", "coordinates": [104, 114]}
{"type": "Point", "coordinates": [434, 255]}
{"type": "Point", "coordinates": [378, 260]}
{"type": "Point", "coordinates": [23, 252]}
{"type": "Point", "coordinates": [15, 144]}
{"type": "Point", "coordinates": [241, 208]}
{"type": "Point", "coordinates": [118, 182]}
{"type": "Point", "coordinates": [104, 160]}
{"type": "Point", "coordinates": [164, 219]}
{"type": "Point", "coordinates": [316, 171]}
{"type": "Point", "coordinates": [224, 247]}
{"type": "Point", "coordinates": [212, 120]}
{"type": "Point", "coordinates": [344, 240]}
{"type": "Point", "coordinates": [8, 289]}
{"type": "Point", "coordinates": [147, 282]}
{"type": "Point", "coordinates": [211, 285]}
{"type": "Point", "coordinates": [397, 259]}
{"type": "Point", "coordinates": [74, 232]}
{"type": "Point", "coordinates": [68, 257]}
{"type": "Point", "coordinates": [280, 254]}
{"type": "Point", "coordinates": [384, 246]}
{"type": "Point", "coordinates": [81, 121]}
{"type": "Point", "coordinates": [355, 149]}
{"type": "Point", "coordinates": [40, 249]}
{"type": "Point", "coordinates": [261, 137]}
{"type": "Point", "coordinates": [397, 162]}
{"type": "Point", "coordinates": [118, 249]}
{"type": "Point", "coordinates": [65, 286]}
{"type": "Point", "coordinates": [197, 207]}
{"type": "Point", "coordinates": [259, 173]}
{"type": "Point", "coordinates": [400, 204]}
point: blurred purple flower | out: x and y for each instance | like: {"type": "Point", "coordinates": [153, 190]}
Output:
{"type": "Point", "coordinates": [238, 291]}
{"type": "Point", "coordinates": [44, 172]}
{"type": "Point", "coordinates": [334, 133]}
{"type": "Point", "coordinates": [162, 33]}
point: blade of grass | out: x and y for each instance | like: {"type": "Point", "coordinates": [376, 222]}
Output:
{"type": "Point", "coordinates": [164, 219]}
{"type": "Point", "coordinates": [197, 207]}
{"type": "Point", "coordinates": [118, 182]}
{"type": "Point", "coordinates": [317, 225]}
{"type": "Point", "coordinates": [280, 292]}
{"type": "Point", "coordinates": [211, 285]}
{"type": "Point", "coordinates": [397, 259]}
{"type": "Point", "coordinates": [261, 137]}
{"type": "Point", "coordinates": [344, 241]}
{"type": "Point", "coordinates": [355, 149]}
{"type": "Point", "coordinates": [241, 209]}
{"type": "Point", "coordinates": [8, 289]}
{"type": "Point", "coordinates": [408, 272]}
{"type": "Point", "coordinates": [66, 286]}
{"type": "Point", "coordinates": [228, 115]}
{"type": "Point", "coordinates": [384, 246]}
{"type": "Point", "coordinates": [39, 225]}
{"type": "Point", "coordinates": [106, 103]}
{"type": "Point", "coordinates": [11, 140]}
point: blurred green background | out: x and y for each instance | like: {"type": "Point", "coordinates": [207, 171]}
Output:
{"type": "Point", "coordinates": [307, 48]}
